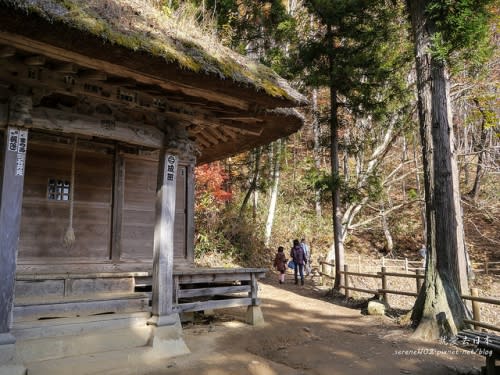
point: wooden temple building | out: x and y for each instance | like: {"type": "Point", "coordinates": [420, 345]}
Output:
{"type": "Point", "coordinates": [105, 111]}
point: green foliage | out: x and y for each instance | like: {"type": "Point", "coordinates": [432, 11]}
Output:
{"type": "Point", "coordinates": [358, 50]}
{"type": "Point", "coordinates": [412, 194]}
{"type": "Point", "coordinates": [374, 187]}
{"type": "Point", "coordinates": [318, 180]}
{"type": "Point", "coordinates": [461, 27]}
{"type": "Point", "coordinates": [485, 110]}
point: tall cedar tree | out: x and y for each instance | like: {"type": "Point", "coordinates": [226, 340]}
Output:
{"type": "Point", "coordinates": [441, 29]}
{"type": "Point", "coordinates": [347, 54]}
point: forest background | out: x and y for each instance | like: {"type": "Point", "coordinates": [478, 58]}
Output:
{"type": "Point", "coordinates": [249, 204]}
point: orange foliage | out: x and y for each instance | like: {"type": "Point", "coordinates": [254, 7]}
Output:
{"type": "Point", "coordinates": [210, 179]}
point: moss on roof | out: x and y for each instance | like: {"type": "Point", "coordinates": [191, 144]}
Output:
{"type": "Point", "coordinates": [139, 26]}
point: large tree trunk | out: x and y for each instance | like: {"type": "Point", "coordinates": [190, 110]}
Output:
{"type": "Point", "coordinates": [439, 310]}
{"type": "Point", "coordinates": [419, 191]}
{"type": "Point", "coordinates": [334, 158]}
{"type": "Point", "coordinates": [274, 191]}
{"type": "Point", "coordinates": [317, 148]}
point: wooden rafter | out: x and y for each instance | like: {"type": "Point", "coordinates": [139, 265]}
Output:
{"type": "Point", "coordinates": [35, 60]}
{"type": "Point", "coordinates": [201, 137]}
{"type": "Point", "coordinates": [7, 51]}
{"type": "Point", "coordinates": [216, 133]}
{"type": "Point", "coordinates": [64, 55]}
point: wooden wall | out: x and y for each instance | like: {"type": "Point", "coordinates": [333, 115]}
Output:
{"type": "Point", "coordinates": [138, 217]}
{"type": "Point", "coordinates": [44, 221]}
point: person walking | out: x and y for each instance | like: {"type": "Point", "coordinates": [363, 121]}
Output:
{"type": "Point", "coordinates": [307, 264]}
{"type": "Point", "coordinates": [280, 264]}
{"type": "Point", "coordinates": [423, 254]}
{"type": "Point", "coordinates": [299, 257]}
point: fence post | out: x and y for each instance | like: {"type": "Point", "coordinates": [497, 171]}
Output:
{"type": "Point", "coordinates": [359, 263]}
{"type": "Point", "coordinates": [384, 284]}
{"type": "Point", "coordinates": [420, 282]}
{"type": "Point", "coordinates": [332, 274]}
{"type": "Point", "coordinates": [383, 261]}
{"type": "Point", "coordinates": [476, 310]}
{"type": "Point", "coordinates": [323, 272]}
{"type": "Point", "coordinates": [486, 267]}
{"type": "Point", "coordinates": [346, 281]}
{"type": "Point", "coordinates": [406, 265]}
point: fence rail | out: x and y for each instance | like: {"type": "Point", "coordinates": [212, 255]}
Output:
{"type": "Point", "coordinates": [411, 265]}
{"type": "Point", "coordinates": [486, 267]}
{"type": "Point", "coordinates": [418, 276]}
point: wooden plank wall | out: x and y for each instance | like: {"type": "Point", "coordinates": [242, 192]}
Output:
{"type": "Point", "coordinates": [44, 221]}
{"type": "Point", "coordinates": [180, 243]}
{"type": "Point", "coordinates": [138, 207]}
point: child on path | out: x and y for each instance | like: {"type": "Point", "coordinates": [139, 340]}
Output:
{"type": "Point", "coordinates": [280, 264]}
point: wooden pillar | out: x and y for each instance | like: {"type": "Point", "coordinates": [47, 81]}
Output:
{"type": "Point", "coordinates": [163, 252]}
{"type": "Point", "coordinates": [167, 335]}
{"type": "Point", "coordinates": [254, 313]}
{"type": "Point", "coordinates": [384, 284]}
{"type": "Point", "coordinates": [476, 309]}
{"type": "Point", "coordinates": [14, 149]}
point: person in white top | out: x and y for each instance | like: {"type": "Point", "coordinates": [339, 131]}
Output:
{"type": "Point", "coordinates": [307, 266]}
{"type": "Point", "coordinates": [423, 254]}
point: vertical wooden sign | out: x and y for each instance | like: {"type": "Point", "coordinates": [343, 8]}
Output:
{"type": "Point", "coordinates": [163, 254]}
{"type": "Point", "coordinates": [12, 182]}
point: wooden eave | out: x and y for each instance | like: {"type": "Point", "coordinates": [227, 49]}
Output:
{"type": "Point", "coordinates": [68, 39]}
{"type": "Point", "coordinates": [79, 82]}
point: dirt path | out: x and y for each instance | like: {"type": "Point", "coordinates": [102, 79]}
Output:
{"type": "Point", "coordinates": [306, 334]}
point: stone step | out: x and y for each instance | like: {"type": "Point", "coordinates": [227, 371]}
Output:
{"type": "Point", "coordinates": [128, 361]}
{"type": "Point", "coordinates": [89, 342]}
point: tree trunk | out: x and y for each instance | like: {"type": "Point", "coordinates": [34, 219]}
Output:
{"type": "Point", "coordinates": [419, 191]}
{"type": "Point", "coordinates": [404, 158]}
{"type": "Point", "coordinates": [334, 159]}
{"type": "Point", "coordinates": [253, 183]}
{"type": "Point", "coordinates": [439, 310]}
{"type": "Point", "coordinates": [274, 192]}
{"type": "Point", "coordinates": [481, 147]}
{"type": "Point", "coordinates": [389, 244]}
{"type": "Point", "coordinates": [255, 204]}
{"type": "Point", "coordinates": [317, 148]}
{"type": "Point", "coordinates": [465, 152]}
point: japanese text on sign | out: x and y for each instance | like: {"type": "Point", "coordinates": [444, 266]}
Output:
{"type": "Point", "coordinates": [171, 165]}
{"type": "Point", "coordinates": [13, 139]}
{"type": "Point", "coordinates": [18, 141]}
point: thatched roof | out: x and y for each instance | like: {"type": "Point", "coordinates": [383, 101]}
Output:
{"type": "Point", "coordinates": [138, 26]}
{"type": "Point", "coordinates": [145, 68]}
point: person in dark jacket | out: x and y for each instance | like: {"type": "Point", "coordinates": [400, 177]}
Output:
{"type": "Point", "coordinates": [280, 263]}
{"type": "Point", "coordinates": [299, 258]}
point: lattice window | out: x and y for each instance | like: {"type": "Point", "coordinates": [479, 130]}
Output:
{"type": "Point", "coordinates": [58, 190]}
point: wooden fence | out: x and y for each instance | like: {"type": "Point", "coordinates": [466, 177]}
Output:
{"type": "Point", "coordinates": [418, 275]}
{"type": "Point", "coordinates": [406, 265]}
{"type": "Point", "coordinates": [486, 267]}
